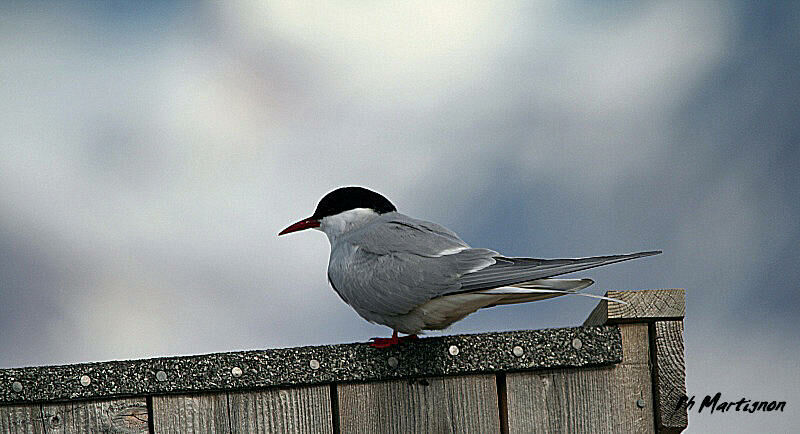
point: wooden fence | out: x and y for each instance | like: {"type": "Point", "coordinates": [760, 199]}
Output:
{"type": "Point", "coordinates": [622, 371]}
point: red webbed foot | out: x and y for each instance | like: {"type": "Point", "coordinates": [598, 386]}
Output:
{"type": "Point", "coordinates": [388, 342]}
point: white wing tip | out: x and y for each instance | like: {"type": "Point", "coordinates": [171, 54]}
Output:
{"type": "Point", "coordinates": [451, 251]}
{"type": "Point", "coordinates": [601, 297]}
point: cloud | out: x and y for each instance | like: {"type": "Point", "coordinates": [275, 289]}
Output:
{"type": "Point", "coordinates": [150, 157]}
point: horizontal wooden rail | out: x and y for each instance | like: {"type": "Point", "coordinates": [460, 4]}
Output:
{"type": "Point", "coordinates": [446, 355]}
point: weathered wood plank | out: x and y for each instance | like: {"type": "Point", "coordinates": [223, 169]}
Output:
{"type": "Point", "coordinates": [290, 410]}
{"type": "Point", "coordinates": [207, 413]}
{"type": "Point", "coordinates": [635, 344]}
{"type": "Point", "coordinates": [430, 405]}
{"type": "Point", "coordinates": [124, 416]}
{"type": "Point", "coordinates": [300, 409]}
{"type": "Point", "coordinates": [643, 305]}
{"type": "Point", "coordinates": [670, 376]}
{"type": "Point", "coordinates": [21, 419]}
{"type": "Point", "coordinates": [604, 399]}
{"type": "Point", "coordinates": [119, 416]}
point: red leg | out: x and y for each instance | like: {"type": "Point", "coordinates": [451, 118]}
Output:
{"type": "Point", "coordinates": [388, 342]}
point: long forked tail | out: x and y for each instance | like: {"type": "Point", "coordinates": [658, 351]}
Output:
{"type": "Point", "coordinates": [543, 289]}
{"type": "Point", "coordinates": [515, 271]}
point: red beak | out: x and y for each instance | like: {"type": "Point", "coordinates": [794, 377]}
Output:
{"type": "Point", "coordinates": [302, 224]}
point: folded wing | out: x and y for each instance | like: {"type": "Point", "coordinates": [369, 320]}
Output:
{"type": "Point", "coordinates": [512, 271]}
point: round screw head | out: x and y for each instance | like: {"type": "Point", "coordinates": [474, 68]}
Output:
{"type": "Point", "coordinates": [236, 371]}
{"type": "Point", "coordinates": [518, 351]}
{"type": "Point", "coordinates": [453, 350]}
{"type": "Point", "coordinates": [314, 363]}
{"type": "Point", "coordinates": [161, 376]}
{"type": "Point", "coordinates": [86, 380]}
{"type": "Point", "coordinates": [577, 344]}
{"type": "Point", "coordinates": [640, 403]}
{"type": "Point", "coordinates": [16, 386]}
{"type": "Point", "coordinates": [393, 362]}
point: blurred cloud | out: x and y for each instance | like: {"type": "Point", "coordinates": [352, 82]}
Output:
{"type": "Point", "coordinates": [151, 154]}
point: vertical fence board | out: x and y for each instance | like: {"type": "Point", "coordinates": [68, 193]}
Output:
{"type": "Point", "coordinates": [670, 376]}
{"type": "Point", "coordinates": [291, 410]}
{"type": "Point", "coordinates": [206, 413]}
{"type": "Point", "coordinates": [124, 416]}
{"type": "Point", "coordinates": [432, 405]}
{"type": "Point", "coordinates": [19, 419]}
{"type": "Point", "coordinates": [605, 399]}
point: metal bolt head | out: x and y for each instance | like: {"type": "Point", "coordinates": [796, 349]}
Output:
{"type": "Point", "coordinates": [453, 350]}
{"type": "Point", "coordinates": [16, 386]}
{"type": "Point", "coordinates": [640, 403]}
{"type": "Point", "coordinates": [236, 371]}
{"type": "Point", "coordinates": [518, 351]}
{"type": "Point", "coordinates": [86, 380]}
{"type": "Point", "coordinates": [314, 364]}
{"type": "Point", "coordinates": [577, 344]}
{"type": "Point", "coordinates": [393, 362]}
{"type": "Point", "coordinates": [161, 376]}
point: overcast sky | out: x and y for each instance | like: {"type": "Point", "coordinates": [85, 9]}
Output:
{"type": "Point", "coordinates": [150, 155]}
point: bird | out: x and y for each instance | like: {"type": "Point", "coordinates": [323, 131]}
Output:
{"type": "Point", "coordinates": [414, 275]}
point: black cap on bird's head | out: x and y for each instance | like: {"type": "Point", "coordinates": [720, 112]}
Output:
{"type": "Point", "coordinates": [347, 198]}
{"type": "Point", "coordinates": [340, 200]}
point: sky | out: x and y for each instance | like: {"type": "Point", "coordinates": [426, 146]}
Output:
{"type": "Point", "coordinates": [149, 155]}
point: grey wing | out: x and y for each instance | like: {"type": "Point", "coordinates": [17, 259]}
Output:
{"type": "Point", "coordinates": [399, 264]}
{"type": "Point", "coordinates": [395, 232]}
{"type": "Point", "coordinates": [511, 271]}
{"type": "Point", "coordinates": [397, 283]}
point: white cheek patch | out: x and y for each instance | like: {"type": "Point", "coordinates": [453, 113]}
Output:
{"type": "Point", "coordinates": [337, 224]}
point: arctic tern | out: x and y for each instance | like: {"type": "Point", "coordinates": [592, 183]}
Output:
{"type": "Point", "coordinates": [413, 275]}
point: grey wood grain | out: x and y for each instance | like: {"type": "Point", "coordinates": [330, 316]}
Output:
{"type": "Point", "coordinates": [430, 405]}
{"type": "Point", "coordinates": [643, 305]}
{"type": "Point", "coordinates": [635, 344]}
{"type": "Point", "coordinates": [206, 413]}
{"type": "Point", "coordinates": [670, 376]}
{"type": "Point", "coordinates": [124, 416]}
{"type": "Point", "coordinates": [18, 419]}
{"type": "Point", "coordinates": [291, 410]}
{"type": "Point", "coordinates": [602, 399]}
